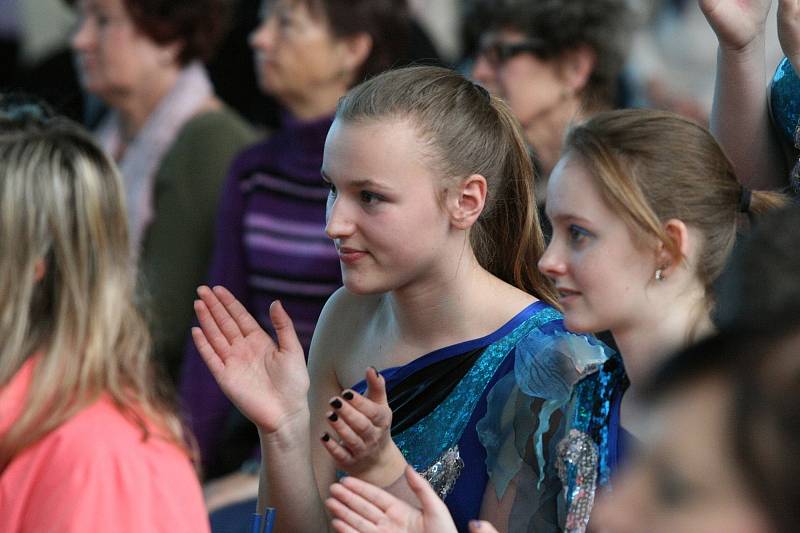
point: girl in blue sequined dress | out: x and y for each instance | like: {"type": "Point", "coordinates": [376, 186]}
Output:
{"type": "Point", "coordinates": [432, 212]}
{"type": "Point", "coordinates": [637, 242]}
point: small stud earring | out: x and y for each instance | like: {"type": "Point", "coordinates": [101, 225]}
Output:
{"type": "Point", "coordinates": [660, 274]}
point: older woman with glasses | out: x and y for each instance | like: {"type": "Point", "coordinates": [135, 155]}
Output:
{"type": "Point", "coordinates": [553, 61]}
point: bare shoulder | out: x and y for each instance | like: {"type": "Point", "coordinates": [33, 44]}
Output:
{"type": "Point", "coordinates": [508, 300]}
{"type": "Point", "coordinates": [335, 346]}
{"type": "Point", "coordinates": [340, 330]}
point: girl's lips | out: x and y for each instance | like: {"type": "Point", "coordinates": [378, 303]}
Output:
{"type": "Point", "coordinates": [566, 293]}
{"type": "Point", "coordinates": [350, 256]}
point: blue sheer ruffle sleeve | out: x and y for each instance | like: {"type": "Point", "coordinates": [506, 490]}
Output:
{"type": "Point", "coordinates": [526, 410]}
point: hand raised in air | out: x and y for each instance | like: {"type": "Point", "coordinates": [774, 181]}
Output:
{"type": "Point", "coordinates": [268, 382]}
{"type": "Point", "coordinates": [737, 23]}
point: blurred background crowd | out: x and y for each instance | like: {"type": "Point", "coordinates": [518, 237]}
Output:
{"type": "Point", "coordinates": [216, 113]}
{"type": "Point", "coordinates": [669, 63]}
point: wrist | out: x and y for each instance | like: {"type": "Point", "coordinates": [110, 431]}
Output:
{"type": "Point", "coordinates": [293, 430]}
{"type": "Point", "coordinates": [754, 49]}
{"type": "Point", "coordinates": [389, 467]}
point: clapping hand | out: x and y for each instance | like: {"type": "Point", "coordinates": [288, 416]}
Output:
{"type": "Point", "coordinates": [357, 506]}
{"type": "Point", "coordinates": [360, 442]}
{"type": "Point", "coordinates": [267, 382]}
{"type": "Point", "coordinates": [737, 23]}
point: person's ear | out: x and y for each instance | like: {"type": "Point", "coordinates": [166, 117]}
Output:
{"type": "Point", "coordinates": [466, 202]}
{"type": "Point", "coordinates": [39, 270]}
{"type": "Point", "coordinates": [576, 67]}
{"type": "Point", "coordinates": [355, 49]}
{"type": "Point", "coordinates": [666, 261]}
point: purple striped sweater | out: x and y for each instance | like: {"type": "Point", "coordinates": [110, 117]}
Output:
{"type": "Point", "coordinates": [270, 244]}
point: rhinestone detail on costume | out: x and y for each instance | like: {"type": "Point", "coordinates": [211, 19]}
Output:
{"type": "Point", "coordinates": [443, 474]}
{"type": "Point", "coordinates": [577, 468]}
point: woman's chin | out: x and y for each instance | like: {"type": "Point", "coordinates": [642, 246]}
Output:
{"type": "Point", "coordinates": [363, 287]}
{"type": "Point", "coordinates": [578, 324]}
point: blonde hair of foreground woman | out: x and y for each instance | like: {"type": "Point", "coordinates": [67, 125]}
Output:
{"type": "Point", "coordinates": [66, 285]}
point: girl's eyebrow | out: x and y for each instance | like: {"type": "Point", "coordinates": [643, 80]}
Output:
{"type": "Point", "coordinates": [360, 182]}
{"type": "Point", "coordinates": [367, 182]}
{"type": "Point", "coordinates": [566, 216]}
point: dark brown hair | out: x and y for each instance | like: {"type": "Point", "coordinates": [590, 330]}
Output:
{"type": "Point", "coordinates": [469, 132]}
{"type": "Point", "coordinates": [198, 25]}
{"type": "Point", "coordinates": [762, 279]}
{"type": "Point", "coordinates": [562, 25]}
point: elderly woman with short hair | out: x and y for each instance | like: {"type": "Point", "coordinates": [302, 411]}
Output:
{"type": "Point", "coordinates": [171, 136]}
{"type": "Point", "coordinates": [554, 61]}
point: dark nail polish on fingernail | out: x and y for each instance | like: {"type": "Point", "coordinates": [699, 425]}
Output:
{"type": "Point", "coordinates": [336, 403]}
{"type": "Point", "coordinates": [325, 437]}
{"type": "Point", "coordinates": [347, 395]}
{"type": "Point", "coordinates": [333, 417]}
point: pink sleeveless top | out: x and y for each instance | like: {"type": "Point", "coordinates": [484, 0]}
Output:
{"type": "Point", "coordinates": [95, 473]}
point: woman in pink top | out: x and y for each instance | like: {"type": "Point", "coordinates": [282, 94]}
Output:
{"type": "Point", "coordinates": [87, 443]}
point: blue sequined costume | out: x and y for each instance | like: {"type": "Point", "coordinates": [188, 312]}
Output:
{"type": "Point", "coordinates": [479, 432]}
{"type": "Point", "coordinates": [595, 442]}
{"type": "Point", "coordinates": [784, 106]}
{"type": "Point", "coordinates": [573, 383]}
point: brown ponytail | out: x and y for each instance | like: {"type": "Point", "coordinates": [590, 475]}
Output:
{"type": "Point", "coordinates": [762, 202]}
{"type": "Point", "coordinates": [508, 239]}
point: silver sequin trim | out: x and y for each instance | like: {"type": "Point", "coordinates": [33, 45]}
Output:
{"type": "Point", "coordinates": [443, 474]}
{"type": "Point", "coordinates": [577, 450]}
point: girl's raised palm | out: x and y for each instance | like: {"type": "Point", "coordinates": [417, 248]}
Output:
{"type": "Point", "coordinates": [736, 22]}
{"type": "Point", "coordinates": [267, 382]}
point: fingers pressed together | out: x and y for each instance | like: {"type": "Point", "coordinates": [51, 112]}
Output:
{"type": "Point", "coordinates": [361, 425]}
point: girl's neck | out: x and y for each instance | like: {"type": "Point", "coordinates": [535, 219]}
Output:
{"type": "Point", "coordinates": [645, 345]}
{"type": "Point", "coordinates": [649, 343]}
{"type": "Point", "coordinates": [448, 309]}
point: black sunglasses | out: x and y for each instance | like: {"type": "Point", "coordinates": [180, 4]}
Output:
{"type": "Point", "coordinates": [497, 53]}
